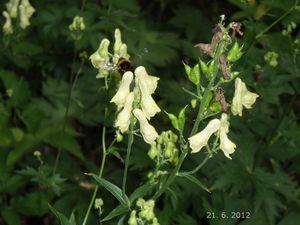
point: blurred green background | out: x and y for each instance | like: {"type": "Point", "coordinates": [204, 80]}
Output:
{"type": "Point", "coordinates": [36, 66]}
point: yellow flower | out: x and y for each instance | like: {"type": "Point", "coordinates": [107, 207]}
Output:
{"type": "Point", "coordinates": [120, 49]}
{"type": "Point", "coordinates": [7, 27]}
{"type": "Point", "coordinates": [101, 56]}
{"type": "Point", "coordinates": [26, 11]}
{"type": "Point", "coordinates": [199, 140]}
{"type": "Point", "coordinates": [227, 146]}
{"type": "Point", "coordinates": [12, 8]}
{"type": "Point", "coordinates": [242, 97]}
{"type": "Point", "coordinates": [147, 85]}
{"type": "Point", "coordinates": [124, 89]}
{"type": "Point", "coordinates": [148, 131]}
{"type": "Point", "coordinates": [123, 118]}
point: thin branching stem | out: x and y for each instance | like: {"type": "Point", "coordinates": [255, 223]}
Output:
{"type": "Point", "coordinates": [127, 159]}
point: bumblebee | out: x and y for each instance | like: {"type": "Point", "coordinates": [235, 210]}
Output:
{"type": "Point", "coordinates": [124, 65]}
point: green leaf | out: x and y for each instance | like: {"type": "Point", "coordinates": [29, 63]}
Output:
{"type": "Point", "coordinates": [18, 87]}
{"type": "Point", "coordinates": [61, 217]}
{"type": "Point", "coordinates": [211, 69]}
{"type": "Point", "coordinates": [10, 216]}
{"type": "Point", "coordinates": [181, 118]}
{"type": "Point", "coordinates": [119, 210]}
{"type": "Point", "coordinates": [194, 180]}
{"type": "Point", "coordinates": [195, 74]}
{"type": "Point", "coordinates": [187, 69]}
{"type": "Point", "coordinates": [140, 192]}
{"type": "Point", "coordinates": [174, 120]}
{"type": "Point", "coordinates": [113, 189]}
{"type": "Point", "coordinates": [27, 144]}
{"type": "Point", "coordinates": [235, 53]}
{"type": "Point", "coordinates": [204, 68]}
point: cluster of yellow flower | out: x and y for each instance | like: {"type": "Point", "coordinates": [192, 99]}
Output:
{"type": "Point", "coordinates": [101, 59]}
{"type": "Point", "coordinates": [242, 97]}
{"type": "Point", "coordinates": [137, 100]}
{"type": "Point", "coordinates": [25, 9]}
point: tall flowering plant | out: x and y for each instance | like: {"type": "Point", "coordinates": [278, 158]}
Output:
{"type": "Point", "coordinates": [135, 106]}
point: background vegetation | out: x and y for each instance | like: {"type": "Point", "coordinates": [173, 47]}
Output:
{"type": "Point", "coordinates": [38, 64]}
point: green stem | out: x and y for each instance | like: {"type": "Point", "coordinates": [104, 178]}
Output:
{"type": "Point", "coordinates": [207, 157]}
{"type": "Point", "coordinates": [100, 175]}
{"type": "Point", "coordinates": [276, 21]}
{"type": "Point", "coordinates": [71, 89]}
{"type": "Point", "coordinates": [184, 148]}
{"type": "Point", "coordinates": [104, 153]}
{"type": "Point", "coordinates": [130, 141]}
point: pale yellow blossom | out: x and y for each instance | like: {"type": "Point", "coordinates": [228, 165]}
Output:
{"type": "Point", "coordinates": [148, 131]}
{"type": "Point", "coordinates": [199, 140]}
{"type": "Point", "coordinates": [227, 146]}
{"type": "Point", "coordinates": [242, 97]}
{"type": "Point", "coordinates": [7, 27]}
{"type": "Point", "coordinates": [147, 85]}
{"type": "Point", "coordinates": [124, 89]}
{"type": "Point", "coordinates": [101, 56]}
{"type": "Point", "coordinates": [123, 118]}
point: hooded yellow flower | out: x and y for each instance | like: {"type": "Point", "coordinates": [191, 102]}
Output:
{"type": "Point", "coordinates": [242, 97]}
{"type": "Point", "coordinates": [7, 27]}
{"type": "Point", "coordinates": [123, 118]}
{"type": "Point", "coordinates": [101, 56]}
{"type": "Point", "coordinates": [124, 89]}
{"type": "Point", "coordinates": [26, 11]}
{"type": "Point", "coordinates": [148, 131]}
{"type": "Point", "coordinates": [12, 8]}
{"type": "Point", "coordinates": [227, 146]}
{"type": "Point", "coordinates": [120, 49]}
{"type": "Point", "coordinates": [199, 140]}
{"type": "Point", "coordinates": [147, 85]}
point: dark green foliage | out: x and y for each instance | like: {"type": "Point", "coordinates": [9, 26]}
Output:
{"type": "Point", "coordinates": [37, 65]}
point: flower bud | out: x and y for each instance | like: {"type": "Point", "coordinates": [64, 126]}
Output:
{"type": "Point", "coordinates": [124, 89]}
{"type": "Point", "coordinates": [132, 219]}
{"type": "Point", "coordinates": [153, 152]}
{"type": "Point", "coordinates": [148, 132]}
{"type": "Point", "coordinates": [123, 118]}
{"type": "Point", "coordinates": [199, 140]}
{"type": "Point", "coordinates": [98, 203]}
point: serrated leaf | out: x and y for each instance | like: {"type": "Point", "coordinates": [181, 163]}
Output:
{"type": "Point", "coordinates": [113, 189]}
